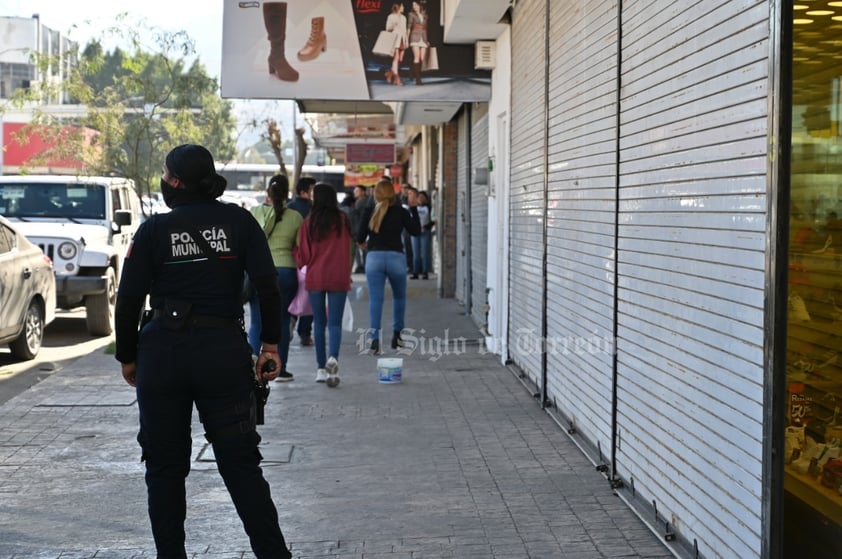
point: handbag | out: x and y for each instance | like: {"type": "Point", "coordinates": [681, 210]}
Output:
{"type": "Point", "coordinates": [431, 60]}
{"type": "Point", "coordinates": [300, 305]}
{"type": "Point", "coordinates": [385, 43]}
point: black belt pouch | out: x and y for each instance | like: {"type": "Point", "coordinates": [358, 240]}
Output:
{"type": "Point", "coordinates": [176, 314]}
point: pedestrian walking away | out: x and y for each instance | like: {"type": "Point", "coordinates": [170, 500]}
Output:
{"type": "Point", "coordinates": [381, 234]}
{"type": "Point", "coordinates": [325, 246]}
{"type": "Point", "coordinates": [361, 201]}
{"type": "Point", "coordinates": [190, 262]}
{"type": "Point", "coordinates": [302, 203]}
{"type": "Point", "coordinates": [281, 229]}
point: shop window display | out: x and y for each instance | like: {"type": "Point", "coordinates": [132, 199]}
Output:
{"type": "Point", "coordinates": [813, 437]}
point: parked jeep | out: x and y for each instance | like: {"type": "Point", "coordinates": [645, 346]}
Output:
{"type": "Point", "coordinates": [85, 225]}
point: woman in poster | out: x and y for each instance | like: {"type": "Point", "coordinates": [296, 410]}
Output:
{"type": "Point", "coordinates": [418, 38]}
{"type": "Point", "coordinates": [396, 22]}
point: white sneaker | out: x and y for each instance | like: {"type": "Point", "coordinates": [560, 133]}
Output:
{"type": "Point", "coordinates": [332, 367]}
{"type": "Point", "coordinates": [321, 375]}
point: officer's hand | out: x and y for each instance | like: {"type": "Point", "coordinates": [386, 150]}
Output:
{"type": "Point", "coordinates": [130, 373]}
{"type": "Point", "coordinates": [264, 357]}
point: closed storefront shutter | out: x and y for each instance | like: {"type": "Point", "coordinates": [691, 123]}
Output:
{"type": "Point", "coordinates": [692, 217]}
{"type": "Point", "coordinates": [581, 216]}
{"type": "Point", "coordinates": [479, 213]}
{"type": "Point", "coordinates": [526, 297]}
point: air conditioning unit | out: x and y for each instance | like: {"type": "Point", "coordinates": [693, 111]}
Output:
{"type": "Point", "coordinates": [485, 55]}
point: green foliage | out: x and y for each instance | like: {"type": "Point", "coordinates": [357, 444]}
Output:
{"type": "Point", "coordinates": [136, 102]}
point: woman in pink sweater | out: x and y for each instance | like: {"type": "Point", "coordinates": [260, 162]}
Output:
{"type": "Point", "coordinates": [325, 247]}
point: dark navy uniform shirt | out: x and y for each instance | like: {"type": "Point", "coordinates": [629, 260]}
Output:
{"type": "Point", "coordinates": [165, 262]}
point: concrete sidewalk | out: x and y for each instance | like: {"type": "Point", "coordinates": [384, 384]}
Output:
{"type": "Point", "coordinates": [457, 461]}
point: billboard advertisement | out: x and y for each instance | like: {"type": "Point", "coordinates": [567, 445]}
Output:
{"type": "Point", "coordinates": [345, 50]}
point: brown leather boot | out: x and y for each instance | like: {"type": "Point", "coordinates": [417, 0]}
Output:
{"type": "Point", "coordinates": [416, 72]}
{"type": "Point", "coordinates": [317, 43]}
{"type": "Point", "coordinates": [275, 20]}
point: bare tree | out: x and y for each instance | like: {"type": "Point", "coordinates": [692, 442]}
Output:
{"type": "Point", "coordinates": [273, 136]}
{"type": "Point", "coordinates": [300, 152]}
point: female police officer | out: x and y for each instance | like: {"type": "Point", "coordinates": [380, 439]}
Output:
{"type": "Point", "coordinates": [195, 349]}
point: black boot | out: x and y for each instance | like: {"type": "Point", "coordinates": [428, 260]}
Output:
{"type": "Point", "coordinates": [396, 340]}
{"type": "Point", "coordinates": [375, 347]}
{"type": "Point", "coordinates": [275, 20]}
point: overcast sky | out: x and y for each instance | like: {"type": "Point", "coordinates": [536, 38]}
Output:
{"type": "Point", "coordinates": [81, 20]}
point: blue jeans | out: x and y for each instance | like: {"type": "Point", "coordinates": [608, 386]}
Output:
{"type": "Point", "coordinates": [421, 252]}
{"type": "Point", "coordinates": [288, 285]}
{"type": "Point", "coordinates": [379, 266]}
{"type": "Point", "coordinates": [330, 318]}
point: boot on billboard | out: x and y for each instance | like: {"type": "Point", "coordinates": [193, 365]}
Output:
{"type": "Point", "coordinates": [317, 43]}
{"type": "Point", "coordinates": [416, 72]}
{"type": "Point", "coordinates": [275, 20]}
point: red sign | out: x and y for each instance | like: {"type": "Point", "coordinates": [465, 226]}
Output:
{"type": "Point", "coordinates": [370, 153]}
{"type": "Point", "coordinates": [368, 6]}
{"type": "Point", "coordinates": [22, 147]}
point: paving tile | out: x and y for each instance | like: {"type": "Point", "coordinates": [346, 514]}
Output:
{"type": "Point", "coordinates": [456, 462]}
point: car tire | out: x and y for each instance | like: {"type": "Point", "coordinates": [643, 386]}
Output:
{"type": "Point", "coordinates": [99, 309]}
{"type": "Point", "coordinates": [27, 345]}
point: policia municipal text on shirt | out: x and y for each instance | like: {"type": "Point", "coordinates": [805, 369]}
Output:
{"type": "Point", "coordinates": [190, 262]}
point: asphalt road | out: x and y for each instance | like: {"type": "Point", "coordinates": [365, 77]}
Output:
{"type": "Point", "coordinates": [65, 340]}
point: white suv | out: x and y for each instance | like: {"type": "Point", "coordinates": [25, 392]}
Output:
{"type": "Point", "coordinates": [85, 225]}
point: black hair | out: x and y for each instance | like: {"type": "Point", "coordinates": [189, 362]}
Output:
{"type": "Point", "coordinates": [325, 214]}
{"type": "Point", "coordinates": [279, 189]}
{"type": "Point", "coordinates": [304, 184]}
{"type": "Point", "coordinates": [193, 165]}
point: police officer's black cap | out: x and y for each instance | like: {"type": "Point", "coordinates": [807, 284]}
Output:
{"type": "Point", "coordinates": [193, 164]}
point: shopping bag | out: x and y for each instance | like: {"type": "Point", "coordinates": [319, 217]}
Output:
{"type": "Point", "coordinates": [300, 305]}
{"type": "Point", "coordinates": [384, 44]}
{"type": "Point", "coordinates": [348, 316]}
{"type": "Point", "coordinates": [431, 60]}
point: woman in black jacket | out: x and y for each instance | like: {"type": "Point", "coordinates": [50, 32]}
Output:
{"type": "Point", "coordinates": [380, 234]}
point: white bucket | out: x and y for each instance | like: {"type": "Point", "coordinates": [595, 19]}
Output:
{"type": "Point", "coordinates": [389, 370]}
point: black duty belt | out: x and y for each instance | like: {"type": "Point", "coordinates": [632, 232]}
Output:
{"type": "Point", "coordinates": [204, 320]}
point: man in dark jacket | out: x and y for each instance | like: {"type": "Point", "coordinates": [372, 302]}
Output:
{"type": "Point", "coordinates": [302, 204]}
{"type": "Point", "coordinates": [361, 202]}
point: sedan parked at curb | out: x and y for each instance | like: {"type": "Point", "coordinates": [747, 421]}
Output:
{"type": "Point", "coordinates": [27, 292]}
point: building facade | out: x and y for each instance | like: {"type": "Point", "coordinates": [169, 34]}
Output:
{"type": "Point", "coordinates": [643, 221]}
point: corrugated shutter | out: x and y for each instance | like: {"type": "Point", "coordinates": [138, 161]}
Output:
{"type": "Point", "coordinates": [462, 210]}
{"type": "Point", "coordinates": [693, 124]}
{"type": "Point", "coordinates": [581, 219]}
{"type": "Point", "coordinates": [526, 297]}
{"type": "Point", "coordinates": [479, 216]}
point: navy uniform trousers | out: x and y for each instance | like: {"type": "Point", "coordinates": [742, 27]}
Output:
{"type": "Point", "coordinates": [212, 367]}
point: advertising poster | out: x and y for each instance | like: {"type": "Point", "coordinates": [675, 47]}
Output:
{"type": "Point", "coordinates": [367, 174]}
{"type": "Point", "coordinates": [345, 50]}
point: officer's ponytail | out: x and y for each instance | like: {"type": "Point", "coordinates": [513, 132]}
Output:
{"type": "Point", "coordinates": [212, 187]}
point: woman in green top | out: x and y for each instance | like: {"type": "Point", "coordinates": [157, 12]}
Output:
{"type": "Point", "coordinates": [281, 228]}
